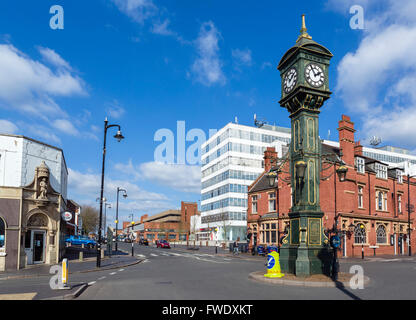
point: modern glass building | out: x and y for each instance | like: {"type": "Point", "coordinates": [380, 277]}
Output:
{"type": "Point", "coordinates": [231, 160]}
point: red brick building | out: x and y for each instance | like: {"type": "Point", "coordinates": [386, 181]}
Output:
{"type": "Point", "coordinates": [370, 205]}
{"type": "Point", "coordinates": [171, 225]}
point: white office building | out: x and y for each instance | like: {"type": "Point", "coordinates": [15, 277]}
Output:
{"type": "Point", "coordinates": [231, 160]}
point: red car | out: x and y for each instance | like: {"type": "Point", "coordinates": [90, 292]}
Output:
{"type": "Point", "coordinates": [163, 244]}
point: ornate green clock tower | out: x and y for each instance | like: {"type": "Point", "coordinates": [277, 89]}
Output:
{"type": "Point", "coordinates": [305, 87]}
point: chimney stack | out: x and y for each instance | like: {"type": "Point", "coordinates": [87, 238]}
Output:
{"type": "Point", "coordinates": [269, 155]}
{"type": "Point", "coordinates": [346, 139]}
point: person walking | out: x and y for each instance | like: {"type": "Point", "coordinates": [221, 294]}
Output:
{"type": "Point", "coordinates": [235, 246]}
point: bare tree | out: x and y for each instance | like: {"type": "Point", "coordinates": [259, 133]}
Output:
{"type": "Point", "coordinates": [90, 219]}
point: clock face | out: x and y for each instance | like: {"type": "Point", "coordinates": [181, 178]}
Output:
{"type": "Point", "coordinates": [315, 75]}
{"type": "Point", "coordinates": [290, 80]}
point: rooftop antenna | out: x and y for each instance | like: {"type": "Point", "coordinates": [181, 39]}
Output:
{"type": "Point", "coordinates": [236, 120]}
{"type": "Point", "coordinates": [258, 123]}
{"type": "Point", "coordinates": [329, 134]}
{"type": "Point", "coordinates": [375, 141]}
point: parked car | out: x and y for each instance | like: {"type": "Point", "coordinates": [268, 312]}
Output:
{"type": "Point", "coordinates": [78, 240]}
{"type": "Point", "coordinates": [144, 242]}
{"type": "Point", "coordinates": [163, 244]}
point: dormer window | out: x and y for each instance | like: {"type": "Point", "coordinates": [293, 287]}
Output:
{"type": "Point", "coordinates": [399, 175]}
{"type": "Point", "coordinates": [381, 171]}
{"type": "Point", "coordinates": [360, 164]}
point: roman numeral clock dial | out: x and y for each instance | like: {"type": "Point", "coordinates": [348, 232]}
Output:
{"type": "Point", "coordinates": [315, 75]}
{"type": "Point", "coordinates": [290, 80]}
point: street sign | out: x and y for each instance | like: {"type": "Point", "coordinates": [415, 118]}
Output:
{"type": "Point", "coordinates": [67, 216]}
{"type": "Point", "coordinates": [335, 241]}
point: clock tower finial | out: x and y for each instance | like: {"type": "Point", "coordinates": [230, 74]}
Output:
{"type": "Point", "coordinates": [303, 31]}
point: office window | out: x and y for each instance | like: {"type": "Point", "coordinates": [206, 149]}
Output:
{"type": "Point", "coordinates": [399, 204]}
{"type": "Point", "coordinates": [360, 164]}
{"type": "Point", "coordinates": [2, 233]}
{"type": "Point", "coordinates": [381, 234]}
{"type": "Point", "coordinates": [360, 196]}
{"type": "Point", "coordinates": [272, 202]}
{"type": "Point", "coordinates": [399, 174]}
{"type": "Point", "coordinates": [359, 234]}
{"type": "Point", "coordinates": [254, 204]}
{"type": "Point", "coordinates": [381, 171]}
{"type": "Point", "coordinates": [381, 200]}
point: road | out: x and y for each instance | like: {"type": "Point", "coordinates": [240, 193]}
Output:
{"type": "Point", "coordinates": [174, 274]}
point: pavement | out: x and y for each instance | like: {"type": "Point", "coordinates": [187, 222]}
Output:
{"type": "Point", "coordinates": [33, 283]}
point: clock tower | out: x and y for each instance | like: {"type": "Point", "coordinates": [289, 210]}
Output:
{"type": "Point", "coordinates": [305, 88]}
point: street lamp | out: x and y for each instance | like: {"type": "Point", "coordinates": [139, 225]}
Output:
{"type": "Point", "coordinates": [274, 180]}
{"type": "Point", "coordinates": [342, 173]}
{"type": "Point", "coordinates": [119, 137]}
{"type": "Point", "coordinates": [124, 196]}
{"type": "Point", "coordinates": [408, 212]}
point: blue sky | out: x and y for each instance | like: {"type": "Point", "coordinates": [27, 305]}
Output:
{"type": "Point", "coordinates": [147, 64]}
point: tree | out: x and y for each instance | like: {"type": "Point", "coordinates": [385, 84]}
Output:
{"type": "Point", "coordinates": [90, 219]}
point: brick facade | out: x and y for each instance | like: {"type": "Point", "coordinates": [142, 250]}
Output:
{"type": "Point", "coordinates": [347, 207]}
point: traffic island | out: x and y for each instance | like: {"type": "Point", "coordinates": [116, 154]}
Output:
{"type": "Point", "coordinates": [316, 280]}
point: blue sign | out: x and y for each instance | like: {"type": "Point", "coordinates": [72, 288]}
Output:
{"type": "Point", "coordinates": [335, 241]}
{"type": "Point", "coordinates": [270, 261]}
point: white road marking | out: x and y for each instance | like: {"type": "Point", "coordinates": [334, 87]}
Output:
{"type": "Point", "coordinates": [121, 270]}
{"type": "Point", "coordinates": [164, 254]}
{"type": "Point", "coordinates": [102, 278]}
{"type": "Point", "coordinates": [227, 259]}
{"type": "Point", "coordinates": [112, 273]}
{"type": "Point", "coordinates": [153, 255]}
{"type": "Point", "coordinates": [91, 283]}
{"type": "Point", "coordinates": [176, 254]}
{"type": "Point", "coordinates": [147, 260]}
{"type": "Point", "coordinates": [141, 255]}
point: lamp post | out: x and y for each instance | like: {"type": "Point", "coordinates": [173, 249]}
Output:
{"type": "Point", "coordinates": [408, 213]}
{"type": "Point", "coordinates": [131, 235]}
{"type": "Point", "coordinates": [125, 196]}
{"type": "Point", "coordinates": [342, 173]}
{"type": "Point", "coordinates": [119, 137]}
{"type": "Point", "coordinates": [274, 180]}
{"type": "Point", "coordinates": [106, 205]}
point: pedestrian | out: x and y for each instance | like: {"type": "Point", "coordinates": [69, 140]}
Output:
{"type": "Point", "coordinates": [235, 246]}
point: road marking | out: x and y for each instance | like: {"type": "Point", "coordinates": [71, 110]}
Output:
{"type": "Point", "coordinates": [147, 260]}
{"type": "Point", "coordinates": [121, 270]}
{"type": "Point", "coordinates": [164, 254]}
{"type": "Point", "coordinates": [112, 273]}
{"type": "Point", "coordinates": [154, 255]}
{"type": "Point", "coordinates": [91, 283]}
{"type": "Point", "coordinates": [227, 259]}
{"type": "Point", "coordinates": [176, 254]}
{"type": "Point", "coordinates": [141, 255]}
{"type": "Point", "coordinates": [101, 278]}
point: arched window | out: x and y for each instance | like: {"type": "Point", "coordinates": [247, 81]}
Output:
{"type": "Point", "coordinates": [359, 234]}
{"type": "Point", "coordinates": [2, 233]}
{"type": "Point", "coordinates": [381, 234]}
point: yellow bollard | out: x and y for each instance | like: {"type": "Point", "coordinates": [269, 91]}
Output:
{"type": "Point", "coordinates": [273, 266]}
{"type": "Point", "coordinates": [64, 280]}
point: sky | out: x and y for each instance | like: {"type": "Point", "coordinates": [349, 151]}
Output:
{"type": "Point", "coordinates": [151, 66]}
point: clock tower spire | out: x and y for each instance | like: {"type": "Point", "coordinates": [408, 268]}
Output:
{"type": "Point", "coordinates": [303, 31]}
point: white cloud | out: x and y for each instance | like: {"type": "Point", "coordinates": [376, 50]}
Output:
{"type": "Point", "coordinates": [8, 127]}
{"type": "Point", "coordinates": [241, 57]}
{"type": "Point", "coordinates": [377, 80]}
{"type": "Point", "coordinates": [53, 58]}
{"type": "Point", "coordinates": [85, 188]}
{"type": "Point", "coordinates": [162, 28]}
{"type": "Point", "coordinates": [182, 178]}
{"type": "Point", "coordinates": [115, 110]}
{"type": "Point", "coordinates": [29, 86]}
{"type": "Point", "coordinates": [138, 10]}
{"type": "Point", "coordinates": [65, 126]}
{"type": "Point", "coordinates": [207, 68]}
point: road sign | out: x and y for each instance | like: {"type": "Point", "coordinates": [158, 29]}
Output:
{"type": "Point", "coordinates": [335, 241]}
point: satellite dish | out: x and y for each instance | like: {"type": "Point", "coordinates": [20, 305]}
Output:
{"type": "Point", "coordinates": [375, 141]}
